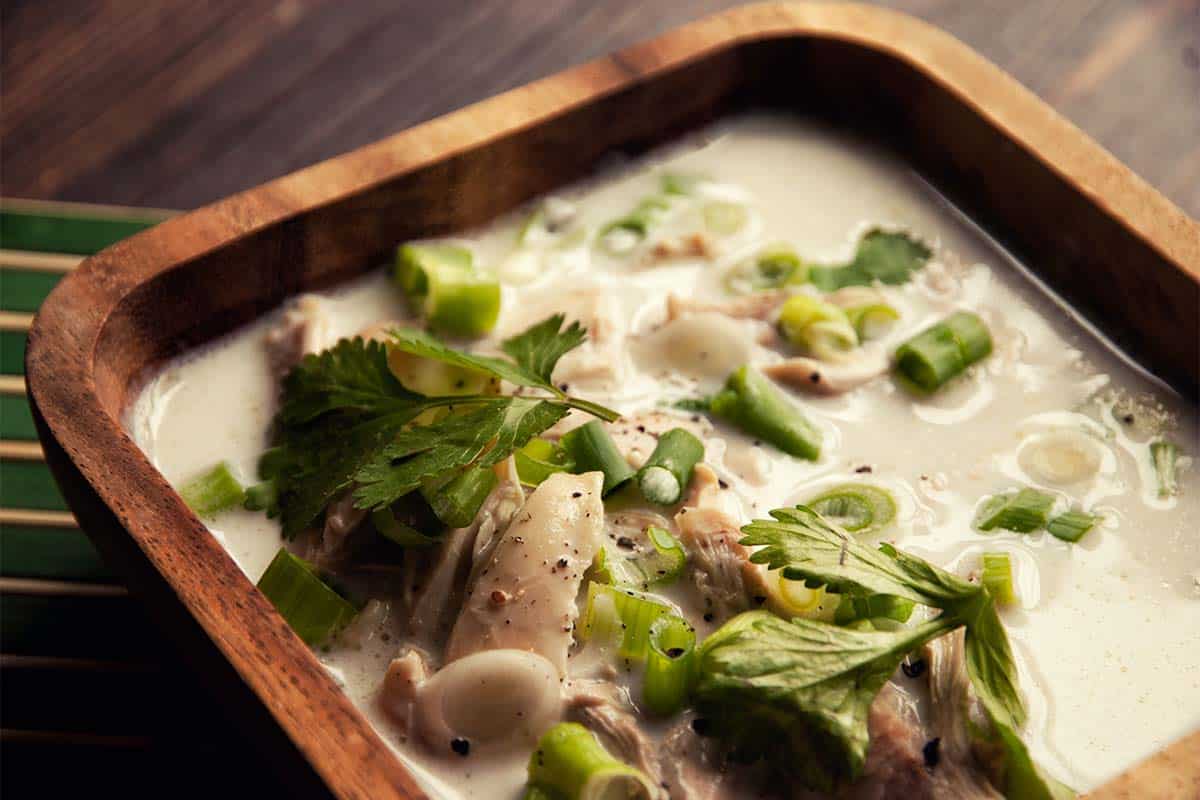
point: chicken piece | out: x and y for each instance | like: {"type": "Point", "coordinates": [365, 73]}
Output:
{"type": "Point", "coordinates": [718, 565]}
{"type": "Point", "coordinates": [524, 598]}
{"type": "Point", "coordinates": [439, 594]}
{"type": "Point", "coordinates": [850, 296]}
{"type": "Point", "coordinates": [693, 768]}
{"type": "Point", "coordinates": [341, 520]}
{"type": "Point", "coordinates": [760, 305]}
{"type": "Point", "coordinates": [605, 709]}
{"type": "Point", "coordinates": [636, 435]}
{"type": "Point", "coordinates": [302, 329]}
{"type": "Point", "coordinates": [401, 684]}
{"type": "Point", "coordinates": [826, 378]}
{"type": "Point", "coordinates": [693, 245]}
{"type": "Point", "coordinates": [706, 346]}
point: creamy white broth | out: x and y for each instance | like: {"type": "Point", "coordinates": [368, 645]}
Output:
{"type": "Point", "coordinates": [1105, 633]}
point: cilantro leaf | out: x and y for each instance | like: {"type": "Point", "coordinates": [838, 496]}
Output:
{"type": "Point", "coordinates": [799, 692]}
{"type": "Point", "coordinates": [536, 351]}
{"type": "Point", "coordinates": [498, 427]}
{"type": "Point", "coordinates": [353, 375]}
{"type": "Point", "coordinates": [539, 348]}
{"type": "Point", "coordinates": [346, 422]}
{"type": "Point", "coordinates": [889, 257]}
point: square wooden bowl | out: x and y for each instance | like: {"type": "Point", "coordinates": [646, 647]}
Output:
{"type": "Point", "coordinates": [1127, 257]}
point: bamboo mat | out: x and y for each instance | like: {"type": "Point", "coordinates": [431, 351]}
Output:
{"type": "Point", "coordinates": [91, 698]}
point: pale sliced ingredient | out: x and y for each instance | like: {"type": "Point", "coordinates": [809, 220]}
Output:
{"type": "Point", "coordinates": [1060, 457]}
{"type": "Point", "coordinates": [491, 699]}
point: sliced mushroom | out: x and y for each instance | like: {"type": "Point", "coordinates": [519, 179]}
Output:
{"type": "Point", "coordinates": [491, 700]}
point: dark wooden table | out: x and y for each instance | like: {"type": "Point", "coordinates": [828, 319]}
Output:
{"type": "Point", "coordinates": [174, 104]}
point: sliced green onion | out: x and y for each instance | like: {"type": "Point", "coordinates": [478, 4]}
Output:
{"type": "Point", "coordinates": [313, 610]}
{"type": "Point", "coordinates": [856, 507]}
{"type": "Point", "coordinates": [1023, 511]}
{"type": "Point", "coordinates": [213, 492]}
{"type": "Point", "coordinates": [680, 183]}
{"type": "Point", "coordinates": [570, 764]}
{"type": "Point", "coordinates": [643, 569]}
{"type": "Point", "coordinates": [794, 598]}
{"type": "Point", "coordinates": [616, 614]}
{"type": "Point", "coordinates": [1070, 526]}
{"type": "Point", "coordinates": [724, 218]}
{"type": "Point", "coordinates": [873, 607]}
{"type": "Point", "coordinates": [441, 279]}
{"type": "Point", "coordinates": [773, 268]}
{"type": "Point", "coordinates": [539, 459]}
{"type": "Point", "coordinates": [622, 235]}
{"type": "Point", "coordinates": [457, 500]}
{"type": "Point", "coordinates": [997, 577]}
{"type": "Point", "coordinates": [873, 320]}
{"type": "Point", "coordinates": [668, 471]}
{"type": "Point", "coordinates": [817, 327]}
{"type": "Point", "coordinates": [669, 660]}
{"type": "Point", "coordinates": [941, 352]}
{"type": "Point", "coordinates": [263, 497]}
{"type": "Point", "coordinates": [1164, 454]}
{"type": "Point", "coordinates": [751, 402]}
{"type": "Point", "coordinates": [592, 449]}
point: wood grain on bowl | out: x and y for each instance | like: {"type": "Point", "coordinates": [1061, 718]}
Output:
{"type": "Point", "coordinates": [1125, 255]}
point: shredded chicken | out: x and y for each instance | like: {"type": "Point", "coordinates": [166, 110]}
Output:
{"type": "Point", "coordinates": [826, 378]}
{"type": "Point", "coordinates": [693, 245]}
{"type": "Point", "coordinates": [302, 329]}
{"type": "Point", "coordinates": [341, 520]}
{"type": "Point", "coordinates": [605, 709]}
{"type": "Point", "coordinates": [439, 587]}
{"type": "Point", "coordinates": [760, 305]}
{"type": "Point", "coordinates": [718, 565]}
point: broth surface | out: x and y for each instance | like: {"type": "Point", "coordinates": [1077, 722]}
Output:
{"type": "Point", "coordinates": [1106, 631]}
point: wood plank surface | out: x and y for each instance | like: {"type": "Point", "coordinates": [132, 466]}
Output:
{"type": "Point", "coordinates": [175, 104]}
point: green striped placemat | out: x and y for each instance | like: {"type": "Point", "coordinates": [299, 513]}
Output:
{"type": "Point", "coordinates": [52, 582]}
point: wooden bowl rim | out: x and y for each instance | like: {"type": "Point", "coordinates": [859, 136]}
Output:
{"type": "Point", "coordinates": [61, 363]}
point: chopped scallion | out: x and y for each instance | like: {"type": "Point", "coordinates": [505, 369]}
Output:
{"type": "Point", "coordinates": [669, 660]}
{"type": "Point", "coordinates": [751, 402]}
{"type": "Point", "coordinates": [874, 608]}
{"type": "Point", "coordinates": [457, 500]}
{"type": "Point", "coordinates": [570, 764]}
{"type": "Point", "coordinates": [401, 533]}
{"type": "Point", "coordinates": [772, 268]}
{"type": "Point", "coordinates": [668, 471]}
{"type": "Point", "coordinates": [873, 320]}
{"type": "Point", "coordinates": [937, 354]}
{"type": "Point", "coordinates": [540, 459]}
{"type": "Point", "coordinates": [816, 327]}
{"type": "Point", "coordinates": [855, 507]}
{"type": "Point", "coordinates": [313, 610]}
{"type": "Point", "coordinates": [213, 492]}
{"type": "Point", "coordinates": [643, 569]}
{"type": "Point", "coordinates": [1070, 526]}
{"type": "Point", "coordinates": [592, 449]}
{"type": "Point", "coordinates": [442, 280]}
{"type": "Point", "coordinates": [724, 218]}
{"type": "Point", "coordinates": [997, 577]}
{"type": "Point", "coordinates": [1164, 455]}
{"type": "Point", "coordinates": [623, 616]}
{"type": "Point", "coordinates": [622, 235]}
{"type": "Point", "coordinates": [1023, 511]}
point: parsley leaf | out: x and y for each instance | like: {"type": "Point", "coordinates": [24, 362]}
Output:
{"type": "Point", "coordinates": [807, 547]}
{"type": "Point", "coordinates": [886, 256]}
{"type": "Point", "coordinates": [539, 348]}
{"type": "Point", "coordinates": [346, 421]}
{"type": "Point", "coordinates": [760, 675]}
